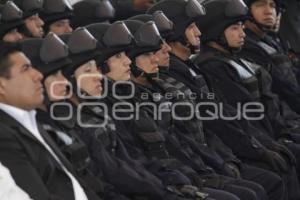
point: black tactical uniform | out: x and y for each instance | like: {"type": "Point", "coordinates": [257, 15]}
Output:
{"type": "Point", "coordinates": [177, 146]}
{"type": "Point", "coordinates": [247, 147]}
{"type": "Point", "coordinates": [134, 181]}
{"type": "Point", "coordinates": [209, 146]}
{"type": "Point", "coordinates": [141, 138]}
{"type": "Point", "coordinates": [226, 73]}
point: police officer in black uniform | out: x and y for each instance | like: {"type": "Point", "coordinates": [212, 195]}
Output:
{"type": "Point", "coordinates": [227, 73]}
{"type": "Point", "coordinates": [182, 69]}
{"type": "Point", "coordinates": [169, 84]}
{"type": "Point", "coordinates": [262, 48]}
{"type": "Point", "coordinates": [142, 138]}
{"type": "Point", "coordinates": [11, 20]}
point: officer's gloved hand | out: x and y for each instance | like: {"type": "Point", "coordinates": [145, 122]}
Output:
{"type": "Point", "coordinates": [213, 181]}
{"type": "Point", "coordinates": [284, 152]}
{"type": "Point", "coordinates": [275, 161]}
{"type": "Point", "coordinates": [192, 192]}
{"type": "Point", "coordinates": [231, 169]}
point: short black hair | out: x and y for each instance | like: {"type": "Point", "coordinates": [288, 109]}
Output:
{"type": "Point", "coordinates": [6, 49]}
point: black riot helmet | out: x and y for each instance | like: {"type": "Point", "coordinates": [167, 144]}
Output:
{"type": "Point", "coordinates": [82, 47]}
{"type": "Point", "coordinates": [47, 55]}
{"type": "Point", "coordinates": [10, 17]}
{"type": "Point", "coordinates": [146, 35]}
{"type": "Point", "coordinates": [29, 7]}
{"type": "Point", "coordinates": [220, 15]}
{"type": "Point", "coordinates": [164, 25]}
{"type": "Point", "coordinates": [54, 10]}
{"type": "Point", "coordinates": [181, 12]}
{"type": "Point", "coordinates": [112, 39]}
{"type": "Point", "coordinates": [147, 39]}
{"type": "Point", "coordinates": [92, 11]}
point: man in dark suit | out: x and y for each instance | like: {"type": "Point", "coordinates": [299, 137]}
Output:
{"type": "Point", "coordinates": [35, 162]}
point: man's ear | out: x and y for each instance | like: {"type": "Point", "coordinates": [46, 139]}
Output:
{"type": "Point", "coordinates": [2, 86]}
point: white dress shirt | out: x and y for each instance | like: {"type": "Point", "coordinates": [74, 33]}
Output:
{"type": "Point", "coordinates": [28, 120]}
{"type": "Point", "coordinates": [8, 188]}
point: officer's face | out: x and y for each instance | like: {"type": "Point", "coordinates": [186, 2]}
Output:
{"type": "Point", "coordinates": [163, 55]}
{"type": "Point", "coordinates": [60, 27]}
{"type": "Point", "coordinates": [148, 62]}
{"type": "Point", "coordinates": [23, 89]}
{"type": "Point", "coordinates": [193, 34]}
{"type": "Point", "coordinates": [12, 36]}
{"type": "Point", "coordinates": [119, 66]}
{"type": "Point", "coordinates": [56, 86]}
{"type": "Point", "coordinates": [235, 35]}
{"type": "Point", "coordinates": [35, 25]}
{"type": "Point", "coordinates": [88, 78]}
{"type": "Point", "coordinates": [264, 12]}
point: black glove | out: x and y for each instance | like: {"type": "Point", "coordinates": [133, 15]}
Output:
{"type": "Point", "coordinates": [213, 181]}
{"type": "Point", "coordinates": [193, 192]}
{"type": "Point", "coordinates": [232, 170]}
{"type": "Point", "coordinates": [275, 161]}
{"type": "Point", "coordinates": [285, 153]}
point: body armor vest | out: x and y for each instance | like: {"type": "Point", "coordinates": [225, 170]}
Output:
{"type": "Point", "coordinates": [247, 72]}
{"type": "Point", "coordinates": [282, 64]}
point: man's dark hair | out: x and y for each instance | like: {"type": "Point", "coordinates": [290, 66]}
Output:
{"type": "Point", "coordinates": [6, 49]}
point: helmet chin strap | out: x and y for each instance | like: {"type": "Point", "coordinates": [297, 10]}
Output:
{"type": "Point", "coordinates": [223, 42]}
{"type": "Point", "coordinates": [185, 42]}
{"type": "Point", "coordinates": [137, 72]}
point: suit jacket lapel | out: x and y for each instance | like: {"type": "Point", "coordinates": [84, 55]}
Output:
{"type": "Point", "coordinates": [11, 122]}
{"type": "Point", "coordinates": [55, 149]}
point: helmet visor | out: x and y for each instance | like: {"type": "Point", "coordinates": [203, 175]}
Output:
{"type": "Point", "coordinates": [56, 6]}
{"type": "Point", "coordinates": [194, 9]}
{"type": "Point", "coordinates": [162, 22]}
{"type": "Point", "coordinates": [117, 35]}
{"type": "Point", "coordinates": [236, 8]}
{"type": "Point", "coordinates": [148, 35]}
{"type": "Point", "coordinates": [81, 41]}
{"type": "Point", "coordinates": [11, 12]}
{"type": "Point", "coordinates": [53, 49]}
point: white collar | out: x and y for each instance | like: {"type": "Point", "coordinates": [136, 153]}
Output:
{"type": "Point", "coordinates": [24, 117]}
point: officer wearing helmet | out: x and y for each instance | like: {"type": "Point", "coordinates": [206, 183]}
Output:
{"type": "Point", "coordinates": [136, 135]}
{"type": "Point", "coordinates": [57, 15]}
{"type": "Point", "coordinates": [170, 84]}
{"type": "Point", "coordinates": [144, 70]}
{"type": "Point", "coordinates": [265, 49]}
{"type": "Point", "coordinates": [11, 20]}
{"type": "Point", "coordinates": [103, 142]}
{"type": "Point", "coordinates": [33, 26]}
{"type": "Point", "coordinates": [227, 73]}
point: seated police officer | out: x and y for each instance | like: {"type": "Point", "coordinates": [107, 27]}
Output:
{"type": "Point", "coordinates": [227, 73]}
{"type": "Point", "coordinates": [116, 67]}
{"type": "Point", "coordinates": [217, 151]}
{"type": "Point", "coordinates": [145, 71]}
{"type": "Point", "coordinates": [11, 20]}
